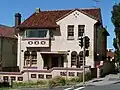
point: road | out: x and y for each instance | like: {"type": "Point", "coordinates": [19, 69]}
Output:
{"type": "Point", "coordinates": [106, 87]}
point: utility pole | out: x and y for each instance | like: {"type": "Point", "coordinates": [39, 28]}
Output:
{"type": "Point", "coordinates": [84, 43]}
{"type": "Point", "coordinates": [83, 59]}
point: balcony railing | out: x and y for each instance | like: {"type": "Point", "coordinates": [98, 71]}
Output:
{"type": "Point", "coordinates": [36, 42]}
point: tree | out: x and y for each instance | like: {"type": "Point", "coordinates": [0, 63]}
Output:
{"type": "Point", "coordinates": [116, 22]}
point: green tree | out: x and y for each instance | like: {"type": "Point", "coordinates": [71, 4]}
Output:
{"type": "Point", "coordinates": [116, 22]}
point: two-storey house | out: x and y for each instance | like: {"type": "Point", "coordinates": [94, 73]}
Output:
{"type": "Point", "coordinates": [48, 42]}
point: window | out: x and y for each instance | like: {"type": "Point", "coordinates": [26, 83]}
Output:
{"type": "Point", "coordinates": [36, 33]}
{"type": "Point", "coordinates": [5, 78]}
{"type": "Point", "coordinates": [73, 58]}
{"type": "Point", "coordinates": [41, 76]}
{"type": "Point", "coordinates": [33, 75]}
{"type": "Point", "coordinates": [80, 30]}
{"type": "Point", "coordinates": [48, 76]}
{"type": "Point", "coordinates": [79, 74]}
{"type": "Point", "coordinates": [63, 73]}
{"type": "Point", "coordinates": [20, 78]}
{"type": "Point", "coordinates": [30, 58]}
{"type": "Point", "coordinates": [13, 78]}
{"type": "Point", "coordinates": [70, 31]}
{"type": "Point", "coordinates": [71, 73]}
{"type": "Point", "coordinates": [34, 57]}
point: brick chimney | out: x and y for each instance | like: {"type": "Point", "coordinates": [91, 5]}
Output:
{"type": "Point", "coordinates": [17, 19]}
{"type": "Point", "coordinates": [37, 10]}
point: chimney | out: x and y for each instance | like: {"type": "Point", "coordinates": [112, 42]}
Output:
{"type": "Point", "coordinates": [37, 10]}
{"type": "Point", "coordinates": [17, 19]}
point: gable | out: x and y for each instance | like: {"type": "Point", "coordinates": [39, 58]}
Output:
{"type": "Point", "coordinates": [76, 17]}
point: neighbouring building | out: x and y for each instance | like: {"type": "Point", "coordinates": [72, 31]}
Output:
{"type": "Point", "coordinates": [8, 49]}
{"type": "Point", "coordinates": [110, 55]}
{"type": "Point", "coordinates": [48, 43]}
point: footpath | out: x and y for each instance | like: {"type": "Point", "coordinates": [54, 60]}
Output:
{"type": "Point", "coordinates": [109, 79]}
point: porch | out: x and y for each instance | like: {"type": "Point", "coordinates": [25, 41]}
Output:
{"type": "Point", "coordinates": [54, 59]}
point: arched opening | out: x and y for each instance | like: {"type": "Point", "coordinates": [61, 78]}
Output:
{"type": "Point", "coordinates": [74, 58]}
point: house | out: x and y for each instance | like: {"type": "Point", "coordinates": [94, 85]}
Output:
{"type": "Point", "coordinates": [8, 49]}
{"type": "Point", "coordinates": [48, 43]}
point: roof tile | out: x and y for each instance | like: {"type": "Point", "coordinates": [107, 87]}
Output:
{"type": "Point", "coordinates": [47, 19]}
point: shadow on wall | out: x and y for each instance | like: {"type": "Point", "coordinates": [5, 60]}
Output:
{"type": "Point", "coordinates": [107, 68]}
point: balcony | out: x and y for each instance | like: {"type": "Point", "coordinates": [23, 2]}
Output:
{"type": "Point", "coordinates": [36, 42]}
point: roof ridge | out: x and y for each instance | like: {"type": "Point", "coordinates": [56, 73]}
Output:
{"type": "Point", "coordinates": [68, 9]}
{"type": "Point", "coordinates": [1, 25]}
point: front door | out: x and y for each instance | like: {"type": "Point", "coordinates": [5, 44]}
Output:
{"type": "Point", "coordinates": [54, 61]}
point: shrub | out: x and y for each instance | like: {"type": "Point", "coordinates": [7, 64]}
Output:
{"type": "Point", "coordinates": [88, 76]}
{"type": "Point", "coordinates": [41, 82]}
{"type": "Point", "coordinates": [57, 81]}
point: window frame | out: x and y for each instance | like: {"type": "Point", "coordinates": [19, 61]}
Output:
{"type": "Point", "coordinates": [81, 30]}
{"type": "Point", "coordinates": [47, 33]}
{"type": "Point", "coordinates": [74, 58]}
{"type": "Point", "coordinates": [70, 32]}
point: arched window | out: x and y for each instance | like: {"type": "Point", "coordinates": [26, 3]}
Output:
{"type": "Point", "coordinates": [34, 57]}
{"type": "Point", "coordinates": [73, 58]}
{"type": "Point", "coordinates": [26, 58]}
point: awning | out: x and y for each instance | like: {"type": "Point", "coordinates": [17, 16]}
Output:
{"type": "Point", "coordinates": [55, 52]}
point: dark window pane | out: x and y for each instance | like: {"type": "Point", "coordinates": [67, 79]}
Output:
{"type": "Point", "coordinates": [80, 30]}
{"type": "Point", "coordinates": [5, 78]}
{"type": "Point", "coordinates": [33, 75]}
{"type": "Point", "coordinates": [20, 78]}
{"type": "Point", "coordinates": [70, 30]}
{"type": "Point", "coordinates": [41, 76]}
{"type": "Point", "coordinates": [71, 73]}
{"type": "Point", "coordinates": [36, 33]}
{"type": "Point", "coordinates": [48, 76]}
{"type": "Point", "coordinates": [63, 73]}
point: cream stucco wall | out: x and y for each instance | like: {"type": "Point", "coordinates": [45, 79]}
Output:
{"type": "Point", "coordinates": [62, 44]}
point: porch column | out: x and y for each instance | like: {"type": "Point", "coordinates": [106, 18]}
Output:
{"type": "Point", "coordinates": [22, 61]}
{"type": "Point", "coordinates": [67, 61]}
{"type": "Point", "coordinates": [40, 61]}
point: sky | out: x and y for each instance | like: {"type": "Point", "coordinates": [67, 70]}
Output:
{"type": "Point", "coordinates": [26, 7]}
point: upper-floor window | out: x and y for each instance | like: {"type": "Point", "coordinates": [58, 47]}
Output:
{"type": "Point", "coordinates": [81, 30]}
{"type": "Point", "coordinates": [70, 31]}
{"type": "Point", "coordinates": [36, 33]}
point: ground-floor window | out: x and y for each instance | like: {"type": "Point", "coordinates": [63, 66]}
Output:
{"type": "Point", "coordinates": [33, 75]}
{"type": "Point", "coordinates": [73, 58]}
{"type": "Point", "coordinates": [20, 78]}
{"type": "Point", "coordinates": [30, 58]}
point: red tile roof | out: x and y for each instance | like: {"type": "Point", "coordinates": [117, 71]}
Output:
{"type": "Point", "coordinates": [6, 31]}
{"type": "Point", "coordinates": [47, 19]}
{"type": "Point", "coordinates": [110, 53]}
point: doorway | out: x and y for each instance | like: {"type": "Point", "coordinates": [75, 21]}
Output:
{"type": "Point", "coordinates": [54, 61]}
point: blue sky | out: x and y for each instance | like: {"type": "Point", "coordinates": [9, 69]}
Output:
{"type": "Point", "coordinates": [26, 7]}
